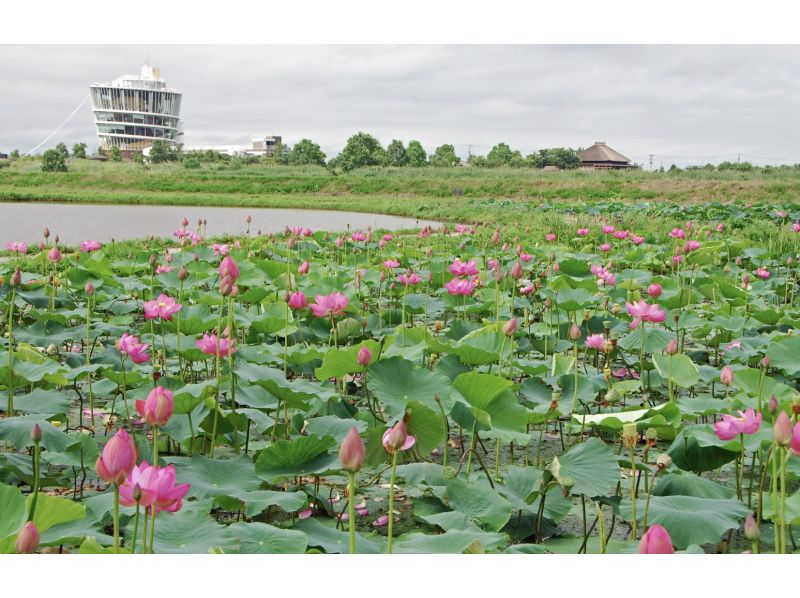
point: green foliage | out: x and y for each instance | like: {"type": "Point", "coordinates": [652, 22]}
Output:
{"type": "Point", "coordinates": [160, 151]}
{"type": "Point", "coordinates": [53, 161]}
{"type": "Point", "coordinates": [115, 154]}
{"type": "Point", "coordinates": [306, 152]}
{"type": "Point", "coordinates": [416, 155]}
{"type": "Point", "coordinates": [396, 154]}
{"type": "Point", "coordinates": [362, 149]}
{"type": "Point", "coordinates": [444, 156]}
{"type": "Point", "coordinates": [79, 150]}
{"type": "Point", "coordinates": [61, 148]}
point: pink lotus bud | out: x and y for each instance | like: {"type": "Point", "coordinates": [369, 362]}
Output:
{"type": "Point", "coordinates": [672, 347]}
{"type": "Point", "coordinates": [292, 242]}
{"type": "Point", "coordinates": [765, 362]}
{"type": "Point", "coordinates": [303, 269]}
{"type": "Point", "coordinates": [364, 356]}
{"type": "Point", "coordinates": [510, 327]}
{"type": "Point", "coordinates": [298, 300]}
{"type": "Point", "coordinates": [726, 376]}
{"type": "Point", "coordinates": [89, 288]}
{"type": "Point", "coordinates": [46, 232]}
{"type": "Point", "coordinates": [185, 222]}
{"type": "Point", "coordinates": [229, 269]}
{"type": "Point", "coordinates": [496, 236]}
{"type": "Point", "coordinates": [556, 267]}
{"type": "Point", "coordinates": [36, 433]}
{"type": "Point", "coordinates": [158, 407]}
{"type": "Point", "coordinates": [516, 271]}
{"type": "Point", "coordinates": [654, 290]}
{"type": "Point", "coordinates": [28, 538]}
{"type": "Point", "coordinates": [397, 438]}
{"type": "Point", "coordinates": [249, 219]}
{"type": "Point", "coordinates": [16, 278]}
{"type": "Point", "coordinates": [773, 404]}
{"type": "Point", "coordinates": [751, 531]}
{"type": "Point", "coordinates": [117, 459]}
{"type": "Point", "coordinates": [782, 432]}
{"type": "Point", "coordinates": [352, 452]}
{"type": "Point", "coordinates": [656, 540]}
{"type": "Point", "coordinates": [574, 332]}
{"type": "Point", "coordinates": [54, 255]}
{"type": "Point", "coordinates": [183, 273]}
{"type": "Point", "coordinates": [795, 444]}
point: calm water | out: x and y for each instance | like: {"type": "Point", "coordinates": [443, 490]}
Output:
{"type": "Point", "coordinates": [75, 222]}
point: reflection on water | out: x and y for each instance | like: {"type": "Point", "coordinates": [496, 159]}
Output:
{"type": "Point", "coordinates": [75, 222]}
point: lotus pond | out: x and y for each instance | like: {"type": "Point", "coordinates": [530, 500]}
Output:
{"type": "Point", "coordinates": [620, 379]}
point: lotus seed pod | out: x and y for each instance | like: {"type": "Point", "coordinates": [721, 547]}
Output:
{"type": "Point", "coordinates": [663, 461]}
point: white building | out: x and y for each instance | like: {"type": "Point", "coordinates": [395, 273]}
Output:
{"type": "Point", "coordinates": [261, 146]}
{"type": "Point", "coordinates": [133, 111]}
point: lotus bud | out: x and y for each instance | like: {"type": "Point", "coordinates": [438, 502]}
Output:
{"type": "Point", "coordinates": [36, 433]}
{"type": "Point", "coordinates": [89, 288]}
{"type": "Point", "coordinates": [574, 332]}
{"type": "Point", "coordinates": [54, 255]}
{"type": "Point", "coordinates": [751, 531]}
{"type": "Point", "coordinates": [28, 538]}
{"type": "Point", "coordinates": [496, 237]}
{"type": "Point", "coordinates": [726, 376]}
{"type": "Point", "coordinates": [654, 290]}
{"type": "Point", "coordinates": [510, 327]}
{"type": "Point", "coordinates": [656, 540]}
{"type": "Point", "coordinates": [352, 452]}
{"type": "Point", "coordinates": [46, 232]}
{"type": "Point", "coordinates": [782, 429]}
{"type": "Point", "coordinates": [153, 260]}
{"type": "Point", "coordinates": [16, 278]}
{"type": "Point", "coordinates": [516, 271]}
{"type": "Point", "coordinates": [292, 242]}
{"type": "Point", "coordinates": [672, 347]}
{"type": "Point", "coordinates": [772, 405]}
{"type": "Point", "coordinates": [364, 356]}
{"type": "Point", "coordinates": [117, 459]}
{"type": "Point", "coordinates": [765, 362]}
{"type": "Point", "coordinates": [183, 273]}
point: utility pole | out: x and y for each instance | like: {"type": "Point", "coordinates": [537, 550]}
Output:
{"type": "Point", "coordinates": [651, 162]}
{"type": "Point", "coordinates": [469, 151]}
{"type": "Point", "coordinates": [738, 158]}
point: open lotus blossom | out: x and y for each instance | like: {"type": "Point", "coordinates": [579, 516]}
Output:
{"type": "Point", "coordinates": [157, 488]}
{"type": "Point", "coordinates": [637, 240]}
{"type": "Point", "coordinates": [596, 341]}
{"type": "Point", "coordinates": [358, 236]}
{"type": "Point", "coordinates": [180, 233]}
{"type": "Point", "coordinates": [409, 280]}
{"type": "Point", "coordinates": [460, 286]}
{"type": "Point", "coordinates": [117, 459]}
{"type": "Point", "coordinates": [762, 273]}
{"type": "Point", "coordinates": [164, 269]}
{"type": "Point", "coordinates": [525, 257]}
{"type": "Point", "coordinates": [656, 540]}
{"type": "Point", "coordinates": [604, 276]}
{"type": "Point", "coordinates": [90, 245]}
{"type": "Point", "coordinates": [582, 232]}
{"type": "Point", "coordinates": [158, 407]}
{"type": "Point", "coordinates": [459, 268]}
{"type": "Point", "coordinates": [397, 438]}
{"type": "Point", "coordinates": [391, 264]}
{"type": "Point", "coordinates": [732, 345]}
{"type": "Point", "coordinates": [796, 227]}
{"type": "Point", "coordinates": [17, 247]}
{"type": "Point", "coordinates": [607, 229]}
{"type": "Point", "coordinates": [221, 249]}
{"type": "Point", "coordinates": [325, 306]}
{"type": "Point", "coordinates": [129, 345]}
{"type": "Point", "coordinates": [605, 247]}
{"type": "Point", "coordinates": [162, 308]}
{"type": "Point", "coordinates": [208, 345]}
{"type": "Point", "coordinates": [677, 233]}
{"type": "Point", "coordinates": [298, 300]}
{"type": "Point", "coordinates": [691, 246]}
{"type": "Point", "coordinates": [644, 312]}
{"type": "Point", "coordinates": [795, 443]}
{"type": "Point", "coordinates": [550, 237]}
{"type": "Point", "coordinates": [730, 427]}
{"type": "Point", "coordinates": [621, 234]}
{"type": "Point", "coordinates": [304, 268]}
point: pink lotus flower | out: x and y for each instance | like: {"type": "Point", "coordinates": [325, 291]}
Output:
{"type": "Point", "coordinates": [525, 257]}
{"type": "Point", "coordinates": [158, 407]}
{"type": "Point", "coordinates": [762, 273]}
{"type": "Point", "coordinates": [364, 356]}
{"type": "Point", "coordinates": [732, 345]}
{"type": "Point", "coordinates": [582, 232]}
{"type": "Point", "coordinates": [459, 268]}
{"type": "Point", "coordinates": [782, 432]}
{"type": "Point", "coordinates": [510, 327]}
{"type": "Point", "coordinates": [117, 459]}
{"type": "Point", "coordinates": [607, 229]}
{"type": "Point", "coordinates": [391, 264]}
{"type": "Point", "coordinates": [637, 240]}
{"type": "Point", "coordinates": [690, 246]}
{"type": "Point", "coordinates": [621, 234]}
{"type": "Point", "coordinates": [157, 486]}
{"type": "Point", "coordinates": [730, 427]}
{"type": "Point", "coordinates": [303, 269]}
{"type": "Point", "coordinates": [624, 373]}
{"type": "Point", "coordinates": [162, 269]}
{"type": "Point", "coordinates": [90, 245]}
{"type": "Point", "coordinates": [228, 269]}
{"type": "Point", "coordinates": [208, 345]}
{"type": "Point", "coordinates": [27, 539]}
{"type": "Point", "coordinates": [221, 249]}
{"type": "Point", "coordinates": [409, 280]}
{"type": "Point", "coordinates": [796, 227]}
{"type": "Point", "coordinates": [329, 305]}
{"type": "Point", "coordinates": [677, 233]}
{"type": "Point", "coordinates": [297, 300]}
{"type": "Point", "coordinates": [54, 255]}
{"type": "Point", "coordinates": [459, 286]}
{"type": "Point", "coordinates": [604, 276]}
{"type": "Point", "coordinates": [129, 345]}
{"type": "Point", "coordinates": [162, 308]}
{"type": "Point", "coordinates": [517, 271]}
{"type": "Point", "coordinates": [795, 443]}
{"type": "Point", "coordinates": [605, 247]}
{"type": "Point", "coordinates": [654, 290]}
{"type": "Point", "coordinates": [17, 247]}
{"type": "Point", "coordinates": [493, 265]}
{"type": "Point", "coordinates": [677, 259]}
{"type": "Point", "coordinates": [180, 233]}
{"type": "Point", "coordinates": [352, 452]}
{"type": "Point", "coordinates": [550, 237]}
{"type": "Point", "coordinates": [358, 236]}
{"type": "Point", "coordinates": [387, 237]}
{"type": "Point", "coordinates": [596, 341]}
{"type": "Point", "coordinates": [339, 242]}
{"type": "Point", "coordinates": [726, 376]}
{"type": "Point", "coordinates": [656, 540]}
{"type": "Point", "coordinates": [381, 521]}
{"type": "Point", "coordinates": [398, 438]}
{"type": "Point", "coordinates": [526, 291]}
{"type": "Point", "coordinates": [644, 312]}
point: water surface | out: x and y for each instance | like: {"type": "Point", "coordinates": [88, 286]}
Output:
{"type": "Point", "coordinates": [74, 223]}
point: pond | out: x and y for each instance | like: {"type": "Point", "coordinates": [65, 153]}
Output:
{"type": "Point", "coordinates": [74, 223]}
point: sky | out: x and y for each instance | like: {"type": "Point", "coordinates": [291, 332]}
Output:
{"type": "Point", "coordinates": [683, 104]}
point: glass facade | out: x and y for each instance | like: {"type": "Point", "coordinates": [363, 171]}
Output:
{"type": "Point", "coordinates": [134, 111]}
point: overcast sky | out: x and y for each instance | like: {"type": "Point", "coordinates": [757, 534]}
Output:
{"type": "Point", "coordinates": [685, 104]}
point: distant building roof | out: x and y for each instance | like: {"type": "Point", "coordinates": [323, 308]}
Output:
{"type": "Point", "coordinates": [600, 152]}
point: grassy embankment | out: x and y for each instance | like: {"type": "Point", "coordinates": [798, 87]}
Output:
{"type": "Point", "coordinates": [451, 194]}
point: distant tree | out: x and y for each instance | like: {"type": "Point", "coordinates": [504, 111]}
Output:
{"type": "Point", "coordinates": [561, 157]}
{"type": "Point", "coordinates": [306, 151]}
{"type": "Point", "coordinates": [138, 158]}
{"type": "Point", "coordinates": [396, 154]}
{"type": "Point", "coordinates": [674, 169]}
{"type": "Point", "coordinates": [79, 151]}
{"type": "Point", "coordinates": [161, 151]}
{"type": "Point", "coordinates": [477, 161]}
{"type": "Point", "coordinates": [280, 155]}
{"type": "Point", "coordinates": [192, 163]}
{"type": "Point", "coordinates": [53, 161]}
{"type": "Point", "coordinates": [416, 154]}
{"type": "Point", "coordinates": [61, 148]}
{"type": "Point", "coordinates": [445, 155]}
{"type": "Point", "coordinates": [14, 155]}
{"type": "Point", "coordinates": [116, 155]}
{"type": "Point", "coordinates": [502, 155]}
{"type": "Point", "coordinates": [362, 149]}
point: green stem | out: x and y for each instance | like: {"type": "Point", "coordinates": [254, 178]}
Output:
{"type": "Point", "coordinates": [472, 447]}
{"type": "Point", "coordinates": [37, 455]}
{"type": "Point", "coordinates": [391, 499]}
{"type": "Point", "coordinates": [10, 405]}
{"type": "Point", "coordinates": [135, 528]}
{"type": "Point", "coordinates": [152, 527]}
{"type": "Point", "coordinates": [217, 358]}
{"type": "Point", "coordinates": [116, 518]}
{"type": "Point", "coordinates": [155, 446]}
{"type": "Point", "coordinates": [633, 490]}
{"type": "Point", "coordinates": [144, 529]}
{"type": "Point", "coordinates": [351, 510]}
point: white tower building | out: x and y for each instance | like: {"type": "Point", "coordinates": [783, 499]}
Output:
{"type": "Point", "coordinates": [133, 111]}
